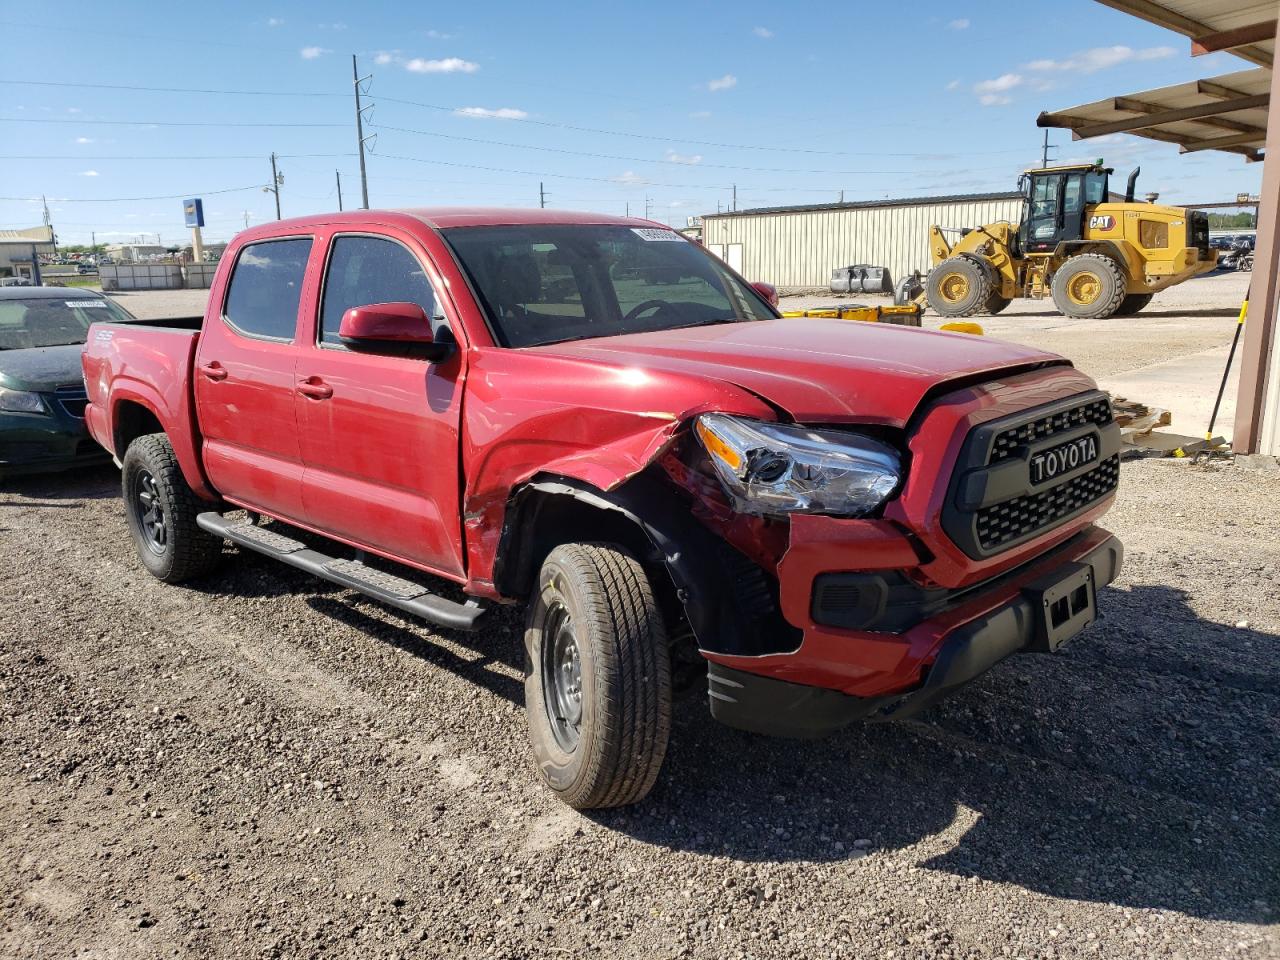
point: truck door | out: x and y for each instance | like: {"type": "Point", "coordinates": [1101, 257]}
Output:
{"type": "Point", "coordinates": [379, 432]}
{"type": "Point", "coordinates": [244, 383]}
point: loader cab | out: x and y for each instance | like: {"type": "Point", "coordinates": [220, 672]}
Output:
{"type": "Point", "coordinates": [1057, 202]}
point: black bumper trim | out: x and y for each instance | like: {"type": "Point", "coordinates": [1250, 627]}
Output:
{"type": "Point", "coordinates": [783, 709]}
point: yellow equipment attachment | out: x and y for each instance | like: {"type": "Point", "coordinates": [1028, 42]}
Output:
{"type": "Point", "coordinates": [904, 315]}
{"type": "Point", "coordinates": [963, 326]}
{"type": "Point", "coordinates": [1096, 258]}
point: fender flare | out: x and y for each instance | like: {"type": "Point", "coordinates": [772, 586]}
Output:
{"type": "Point", "coordinates": [182, 440]}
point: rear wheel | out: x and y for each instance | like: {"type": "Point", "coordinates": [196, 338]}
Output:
{"type": "Point", "coordinates": [958, 287]}
{"type": "Point", "coordinates": [598, 691]}
{"type": "Point", "coordinates": [161, 509]}
{"type": "Point", "coordinates": [1132, 303]}
{"type": "Point", "coordinates": [1089, 286]}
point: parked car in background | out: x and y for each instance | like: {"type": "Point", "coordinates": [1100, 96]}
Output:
{"type": "Point", "coordinates": [42, 396]}
{"type": "Point", "coordinates": [595, 416]}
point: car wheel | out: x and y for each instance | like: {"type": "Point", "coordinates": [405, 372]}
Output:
{"type": "Point", "coordinates": [598, 685]}
{"type": "Point", "coordinates": [161, 509]}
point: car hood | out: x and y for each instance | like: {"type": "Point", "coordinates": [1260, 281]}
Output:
{"type": "Point", "coordinates": [41, 368]}
{"type": "Point", "coordinates": [817, 369]}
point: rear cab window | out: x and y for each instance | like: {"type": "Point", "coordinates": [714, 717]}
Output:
{"type": "Point", "coordinates": [266, 287]}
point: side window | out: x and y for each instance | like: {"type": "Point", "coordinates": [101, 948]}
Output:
{"type": "Point", "coordinates": [364, 270]}
{"type": "Point", "coordinates": [262, 300]}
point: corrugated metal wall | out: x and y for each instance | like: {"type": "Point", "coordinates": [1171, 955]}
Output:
{"type": "Point", "coordinates": [801, 249]}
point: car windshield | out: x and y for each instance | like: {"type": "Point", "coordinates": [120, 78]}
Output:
{"type": "Point", "coordinates": [52, 322]}
{"type": "Point", "coordinates": [547, 283]}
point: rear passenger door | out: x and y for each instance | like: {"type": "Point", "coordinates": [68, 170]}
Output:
{"type": "Point", "coordinates": [244, 382]}
{"type": "Point", "coordinates": [380, 444]}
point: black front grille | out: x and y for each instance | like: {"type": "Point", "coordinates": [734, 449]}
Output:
{"type": "Point", "coordinates": [1021, 517]}
{"type": "Point", "coordinates": [73, 399]}
{"type": "Point", "coordinates": [993, 504]}
{"type": "Point", "coordinates": [1008, 441]}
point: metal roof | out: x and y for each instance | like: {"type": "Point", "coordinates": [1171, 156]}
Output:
{"type": "Point", "coordinates": [28, 236]}
{"type": "Point", "coordinates": [1227, 113]}
{"type": "Point", "coordinates": [1246, 28]}
{"type": "Point", "coordinates": [862, 204]}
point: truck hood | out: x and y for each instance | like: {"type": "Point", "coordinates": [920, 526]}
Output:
{"type": "Point", "coordinates": [41, 369]}
{"type": "Point", "coordinates": [817, 369]}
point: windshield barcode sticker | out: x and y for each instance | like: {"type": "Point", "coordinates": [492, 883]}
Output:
{"type": "Point", "coordinates": [86, 303]}
{"type": "Point", "coordinates": [649, 233]}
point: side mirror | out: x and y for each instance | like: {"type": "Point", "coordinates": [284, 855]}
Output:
{"type": "Point", "coordinates": [768, 291]}
{"type": "Point", "coordinates": [398, 327]}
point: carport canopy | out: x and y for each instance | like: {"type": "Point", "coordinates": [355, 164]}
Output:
{"type": "Point", "coordinates": [1226, 113]}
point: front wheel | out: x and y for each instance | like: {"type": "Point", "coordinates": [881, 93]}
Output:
{"type": "Point", "coordinates": [1089, 286]}
{"type": "Point", "coordinates": [598, 689]}
{"type": "Point", "coordinates": [161, 509]}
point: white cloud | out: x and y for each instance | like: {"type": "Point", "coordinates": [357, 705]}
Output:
{"type": "Point", "coordinates": [764, 33]}
{"type": "Point", "coordinates": [310, 53]}
{"type": "Point", "coordinates": [960, 24]}
{"type": "Point", "coordinates": [74, 110]}
{"type": "Point", "coordinates": [382, 58]}
{"type": "Point", "coordinates": [700, 114]}
{"type": "Point", "coordinates": [437, 35]}
{"type": "Point", "coordinates": [953, 84]}
{"type": "Point", "coordinates": [674, 157]}
{"type": "Point", "coordinates": [630, 177]}
{"type": "Point", "coordinates": [84, 139]}
{"type": "Point", "coordinates": [275, 21]}
{"type": "Point", "coordinates": [994, 93]}
{"type": "Point", "coordinates": [332, 26]}
{"type": "Point", "coordinates": [447, 65]}
{"type": "Point", "coordinates": [89, 173]}
{"type": "Point", "coordinates": [1101, 58]}
{"type": "Point", "coordinates": [485, 113]}
{"type": "Point", "coordinates": [726, 82]}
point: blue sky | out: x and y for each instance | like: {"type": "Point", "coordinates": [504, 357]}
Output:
{"type": "Point", "coordinates": [606, 104]}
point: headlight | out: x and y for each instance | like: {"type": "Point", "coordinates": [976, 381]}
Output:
{"type": "Point", "coordinates": [20, 401]}
{"type": "Point", "coordinates": [769, 468]}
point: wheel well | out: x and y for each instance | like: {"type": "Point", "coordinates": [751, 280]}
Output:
{"type": "Point", "coordinates": [1069, 251]}
{"type": "Point", "coordinates": [132, 420]}
{"type": "Point", "coordinates": [541, 516]}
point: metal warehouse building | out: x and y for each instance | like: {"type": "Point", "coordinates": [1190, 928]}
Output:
{"type": "Point", "coordinates": [796, 248]}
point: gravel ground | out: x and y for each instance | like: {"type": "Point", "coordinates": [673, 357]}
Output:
{"type": "Point", "coordinates": [262, 765]}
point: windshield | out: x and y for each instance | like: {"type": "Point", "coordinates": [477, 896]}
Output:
{"type": "Point", "coordinates": [546, 283]}
{"type": "Point", "coordinates": [50, 322]}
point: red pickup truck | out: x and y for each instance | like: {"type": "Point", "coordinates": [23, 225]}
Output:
{"type": "Point", "coordinates": [593, 416]}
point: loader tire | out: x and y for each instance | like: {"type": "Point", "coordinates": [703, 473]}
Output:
{"type": "Point", "coordinates": [1132, 303]}
{"type": "Point", "coordinates": [995, 304]}
{"type": "Point", "coordinates": [958, 287]}
{"type": "Point", "coordinates": [1089, 286]}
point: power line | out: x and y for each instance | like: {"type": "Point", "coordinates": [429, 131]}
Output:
{"type": "Point", "coordinates": [87, 156]}
{"type": "Point", "coordinates": [174, 196]}
{"type": "Point", "coordinates": [614, 156]}
{"type": "Point", "coordinates": [168, 123]}
{"type": "Point", "coordinates": [122, 86]}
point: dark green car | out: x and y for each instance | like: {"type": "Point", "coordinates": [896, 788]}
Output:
{"type": "Point", "coordinates": [42, 396]}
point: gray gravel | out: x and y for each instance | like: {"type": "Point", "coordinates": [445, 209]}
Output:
{"type": "Point", "coordinates": [259, 765]}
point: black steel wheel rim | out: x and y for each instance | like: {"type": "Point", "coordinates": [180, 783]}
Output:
{"type": "Point", "coordinates": [562, 677]}
{"type": "Point", "coordinates": [152, 521]}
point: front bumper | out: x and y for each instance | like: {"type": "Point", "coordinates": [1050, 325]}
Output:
{"type": "Point", "coordinates": [839, 676]}
{"type": "Point", "coordinates": [45, 443]}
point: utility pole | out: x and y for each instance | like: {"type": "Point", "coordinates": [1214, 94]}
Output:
{"type": "Point", "coordinates": [360, 138]}
{"type": "Point", "coordinates": [735, 198]}
{"type": "Point", "coordinates": [338, 177]}
{"type": "Point", "coordinates": [647, 201]}
{"type": "Point", "coordinates": [628, 208]}
{"type": "Point", "coordinates": [93, 241]}
{"type": "Point", "coordinates": [542, 196]}
{"type": "Point", "coordinates": [1044, 151]}
{"type": "Point", "coordinates": [276, 180]}
{"type": "Point", "coordinates": [246, 219]}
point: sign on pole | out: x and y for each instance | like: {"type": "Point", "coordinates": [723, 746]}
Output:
{"type": "Point", "coordinates": [193, 212]}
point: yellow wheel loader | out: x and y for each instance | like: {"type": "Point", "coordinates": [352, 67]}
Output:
{"type": "Point", "coordinates": [1095, 258]}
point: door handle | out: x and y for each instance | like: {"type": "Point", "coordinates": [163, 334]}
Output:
{"type": "Point", "coordinates": [315, 388]}
{"type": "Point", "coordinates": [213, 370]}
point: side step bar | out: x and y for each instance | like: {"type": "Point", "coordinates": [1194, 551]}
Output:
{"type": "Point", "coordinates": [384, 587]}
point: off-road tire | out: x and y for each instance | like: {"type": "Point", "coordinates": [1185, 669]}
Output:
{"type": "Point", "coordinates": [995, 303]}
{"type": "Point", "coordinates": [1107, 273]}
{"type": "Point", "coordinates": [186, 551]}
{"type": "Point", "coordinates": [624, 683]}
{"type": "Point", "coordinates": [1132, 303]}
{"type": "Point", "coordinates": [976, 296]}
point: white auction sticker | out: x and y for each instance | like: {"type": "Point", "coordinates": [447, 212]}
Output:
{"type": "Point", "coordinates": [649, 233]}
{"type": "Point", "coordinates": [86, 303]}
